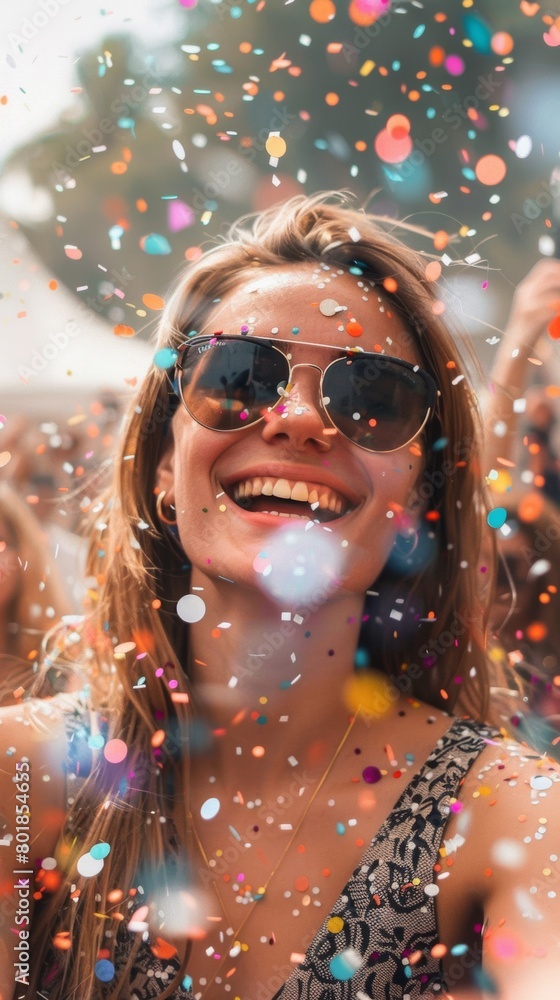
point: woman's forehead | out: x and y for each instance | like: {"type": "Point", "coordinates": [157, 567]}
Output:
{"type": "Point", "coordinates": [328, 305]}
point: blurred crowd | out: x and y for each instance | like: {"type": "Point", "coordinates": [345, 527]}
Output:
{"type": "Point", "coordinates": [52, 472]}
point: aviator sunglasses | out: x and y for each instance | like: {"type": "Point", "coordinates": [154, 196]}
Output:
{"type": "Point", "coordinates": [228, 382]}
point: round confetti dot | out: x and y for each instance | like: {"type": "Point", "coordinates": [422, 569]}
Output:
{"type": "Point", "coordinates": [53, 285]}
{"type": "Point", "coordinates": [5, 457]}
{"type": "Point", "coordinates": [335, 924]}
{"type": "Point", "coordinates": [155, 244]}
{"type": "Point", "coordinates": [115, 751]}
{"type": "Point", "coordinates": [502, 43]}
{"type": "Point", "coordinates": [258, 751]}
{"type": "Point", "coordinates": [454, 65]}
{"type": "Point", "coordinates": [88, 867]}
{"type": "Point", "coordinates": [125, 647]}
{"type": "Point", "coordinates": [343, 966]}
{"type": "Point", "coordinates": [431, 889]}
{"type": "Point", "coordinates": [497, 517]}
{"type": "Point", "coordinates": [540, 782]}
{"type": "Point", "coordinates": [100, 851]}
{"type": "Point", "coordinates": [104, 970]}
{"type": "Point", "coordinates": [459, 949]}
{"type": "Point", "coordinates": [371, 775]}
{"type": "Point", "coordinates": [191, 608]}
{"type": "Point", "coordinates": [391, 150]}
{"type": "Point", "coordinates": [328, 307]}
{"type": "Point", "coordinates": [322, 11]}
{"type": "Point", "coordinates": [122, 330]}
{"type": "Point", "coordinates": [49, 864]}
{"type": "Point", "coordinates": [210, 808]}
{"type": "Point", "coordinates": [365, 12]}
{"type": "Point", "coordinates": [72, 252]}
{"type": "Point", "coordinates": [530, 507]}
{"type": "Point", "coordinates": [275, 145]}
{"type": "Point", "coordinates": [554, 328]}
{"type": "Point", "coordinates": [354, 329]}
{"type": "Point", "coordinates": [332, 99]}
{"type": "Point", "coordinates": [490, 169]}
{"type": "Point", "coordinates": [153, 301]}
{"type": "Point", "coordinates": [398, 126]}
{"type": "Point", "coordinates": [165, 357]}
{"type": "Point", "coordinates": [301, 883]}
{"type": "Point", "coordinates": [433, 270]}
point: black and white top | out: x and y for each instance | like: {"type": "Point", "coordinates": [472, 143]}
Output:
{"type": "Point", "coordinates": [386, 910]}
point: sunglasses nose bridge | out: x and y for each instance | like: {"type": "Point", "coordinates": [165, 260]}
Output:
{"type": "Point", "coordinates": [303, 364]}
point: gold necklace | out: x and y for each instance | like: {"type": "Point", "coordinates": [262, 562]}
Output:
{"type": "Point", "coordinates": [235, 939]}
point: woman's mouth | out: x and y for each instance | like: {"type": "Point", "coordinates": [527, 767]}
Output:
{"type": "Point", "coordinates": [289, 498]}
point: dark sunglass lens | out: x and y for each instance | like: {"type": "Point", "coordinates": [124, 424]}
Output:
{"type": "Point", "coordinates": [377, 403]}
{"type": "Point", "coordinates": [227, 384]}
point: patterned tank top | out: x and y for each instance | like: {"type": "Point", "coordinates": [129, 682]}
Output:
{"type": "Point", "coordinates": [387, 908]}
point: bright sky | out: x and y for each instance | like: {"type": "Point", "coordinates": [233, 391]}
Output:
{"type": "Point", "coordinates": [37, 81]}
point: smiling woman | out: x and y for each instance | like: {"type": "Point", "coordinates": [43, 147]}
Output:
{"type": "Point", "coordinates": [265, 796]}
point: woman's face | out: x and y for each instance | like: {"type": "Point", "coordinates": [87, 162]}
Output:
{"type": "Point", "coordinates": [202, 468]}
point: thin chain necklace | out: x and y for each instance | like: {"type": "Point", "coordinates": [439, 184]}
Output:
{"type": "Point", "coordinates": [236, 933]}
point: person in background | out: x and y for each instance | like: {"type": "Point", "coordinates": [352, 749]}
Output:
{"type": "Point", "coordinates": [521, 412]}
{"type": "Point", "coordinates": [525, 620]}
{"type": "Point", "coordinates": [31, 594]}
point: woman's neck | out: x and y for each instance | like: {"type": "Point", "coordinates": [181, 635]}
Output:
{"type": "Point", "coordinates": [271, 677]}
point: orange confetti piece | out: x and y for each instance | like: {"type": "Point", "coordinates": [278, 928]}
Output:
{"type": "Point", "coordinates": [390, 284]}
{"type": "Point", "coordinates": [122, 330]}
{"type": "Point", "coordinates": [153, 301]}
{"type": "Point", "coordinates": [490, 169]}
{"type": "Point", "coordinates": [322, 11]}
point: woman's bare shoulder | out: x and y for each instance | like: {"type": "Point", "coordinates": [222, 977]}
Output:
{"type": "Point", "coordinates": [505, 852]}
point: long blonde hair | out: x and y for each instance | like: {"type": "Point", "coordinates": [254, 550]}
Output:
{"type": "Point", "coordinates": [142, 572]}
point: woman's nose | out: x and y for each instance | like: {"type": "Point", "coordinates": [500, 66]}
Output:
{"type": "Point", "coordinates": [299, 415]}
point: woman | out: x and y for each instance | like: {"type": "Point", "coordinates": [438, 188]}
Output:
{"type": "Point", "coordinates": [246, 756]}
{"type": "Point", "coordinates": [524, 617]}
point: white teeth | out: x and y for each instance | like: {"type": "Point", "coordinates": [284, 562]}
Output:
{"type": "Point", "coordinates": [282, 489]}
{"type": "Point", "coordinates": [299, 492]}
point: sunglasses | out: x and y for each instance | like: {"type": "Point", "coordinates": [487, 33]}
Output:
{"type": "Point", "coordinates": [229, 382]}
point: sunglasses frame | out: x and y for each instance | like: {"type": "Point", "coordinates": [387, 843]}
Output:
{"type": "Point", "coordinates": [348, 352]}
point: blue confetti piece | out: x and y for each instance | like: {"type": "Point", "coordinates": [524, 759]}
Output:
{"type": "Point", "coordinates": [104, 970]}
{"type": "Point", "coordinates": [419, 31]}
{"type": "Point", "coordinates": [165, 357]}
{"type": "Point", "coordinates": [497, 517]}
{"type": "Point", "coordinates": [478, 32]}
{"type": "Point", "coordinates": [100, 851]}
